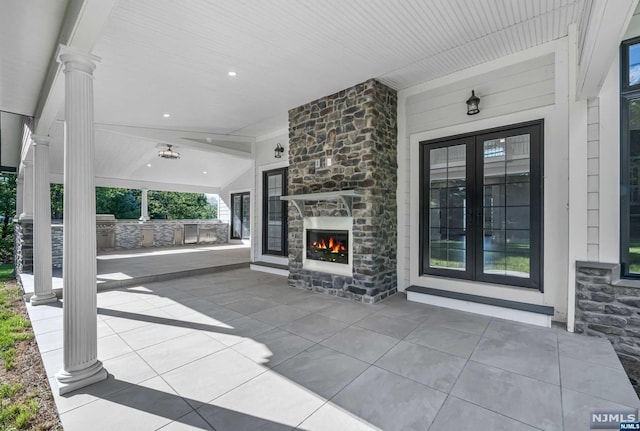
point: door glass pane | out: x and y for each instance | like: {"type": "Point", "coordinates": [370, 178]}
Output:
{"type": "Point", "coordinates": [236, 211]}
{"type": "Point", "coordinates": [634, 186]}
{"type": "Point", "coordinates": [246, 229]}
{"type": "Point", "coordinates": [634, 64]}
{"type": "Point", "coordinates": [448, 214]}
{"type": "Point", "coordinates": [507, 206]}
{"type": "Point", "coordinates": [275, 215]}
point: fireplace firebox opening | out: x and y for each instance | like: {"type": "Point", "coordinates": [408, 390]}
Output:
{"type": "Point", "coordinates": [328, 245]}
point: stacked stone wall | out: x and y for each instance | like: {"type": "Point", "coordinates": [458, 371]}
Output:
{"type": "Point", "coordinates": [356, 128]}
{"type": "Point", "coordinates": [56, 245]}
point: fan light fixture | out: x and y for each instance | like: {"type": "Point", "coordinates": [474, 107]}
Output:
{"type": "Point", "coordinates": [169, 153]}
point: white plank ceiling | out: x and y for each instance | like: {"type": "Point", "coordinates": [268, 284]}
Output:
{"type": "Point", "coordinates": [28, 35]}
{"type": "Point", "coordinates": [173, 57]}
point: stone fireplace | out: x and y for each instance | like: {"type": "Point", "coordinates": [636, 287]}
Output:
{"type": "Point", "coordinates": [342, 182]}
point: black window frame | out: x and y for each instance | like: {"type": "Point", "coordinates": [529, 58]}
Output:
{"type": "Point", "coordinates": [284, 247]}
{"type": "Point", "coordinates": [241, 195]}
{"type": "Point", "coordinates": [474, 172]}
{"type": "Point", "coordinates": [627, 94]}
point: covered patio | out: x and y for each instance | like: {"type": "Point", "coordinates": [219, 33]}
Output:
{"type": "Point", "coordinates": [242, 350]}
{"type": "Point", "coordinates": [464, 155]}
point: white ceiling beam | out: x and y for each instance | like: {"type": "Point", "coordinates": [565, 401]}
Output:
{"type": "Point", "coordinates": [83, 25]}
{"type": "Point", "coordinates": [604, 30]}
{"type": "Point", "coordinates": [137, 184]}
{"type": "Point", "coordinates": [231, 145]}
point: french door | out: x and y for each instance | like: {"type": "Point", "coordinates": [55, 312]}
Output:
{"type": "Point", "coordinates": [481, 206]}
{"type": "Point", "coordinates": [274, 212]}
{"type": "Point", "coordinates": [240, 220]}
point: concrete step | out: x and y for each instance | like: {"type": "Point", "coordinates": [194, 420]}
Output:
{"type": "Point", "coordinates": [26, 280]}
{"type": "Point", "coordinates": [271, 268]}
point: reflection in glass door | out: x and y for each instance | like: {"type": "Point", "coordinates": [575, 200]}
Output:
{"type": "Point", "coordinates": [240, 216]}
{"type": "Point", "coordinates": [507, 206]}
{"type": "Point", "coordinates": [482, 206]}
{"type": "Point", "coordinates": [448, 207]}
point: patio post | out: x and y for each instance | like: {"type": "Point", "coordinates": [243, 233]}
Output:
{"type": "Point", "coordinates": [27, 189]}
{"type": "Point", "coordinates": [144, 207]}
{"type": "Point", "coordinates": [19, 197]}
{"type": "Point", "coordinates": [81, 366]}
{"type": "Point", "coordinates": [42, 293]}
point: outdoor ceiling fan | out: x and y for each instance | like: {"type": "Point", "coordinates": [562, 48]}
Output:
{"type": "Point", "coordinates": [169, 153]}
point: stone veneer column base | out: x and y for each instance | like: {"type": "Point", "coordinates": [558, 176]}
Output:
{"type": "Point", "coordinates": [609, 307]}
{"type": "Point", "coordinates": [69, 381]}
{"type": "Point", "coordinates": [23, 246]}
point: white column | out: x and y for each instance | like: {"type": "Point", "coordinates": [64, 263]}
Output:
{"type": "Point", "coordinates": [43, 292]}
{"type": "Point", "coordinates": [27, 189]}
{"type": "Point", "coordinates": [19, 195]}
{"type": "Point", "coordinates": [81, 366]}
{"type": "Point", "coordinates": [144, 207]}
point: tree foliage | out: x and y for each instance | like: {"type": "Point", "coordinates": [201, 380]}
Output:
{"type": "Point", "coordinates": [57, 198]}
{"type": "Point", "coordinates": [7, 212]}
{"type": "Point", "coordinates": [174, 206]}
{"type": "Point", "coordinates": [125, 204]}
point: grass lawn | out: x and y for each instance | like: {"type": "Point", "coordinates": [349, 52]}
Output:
{"type": "Point", "coordinates": [634, 258]}
{"type": "Point", "coordinates": [451, 254]}
{"type": "Point", "coordinates": [6, 271]}
{"type": "Point", "coordinates": [27, 402]}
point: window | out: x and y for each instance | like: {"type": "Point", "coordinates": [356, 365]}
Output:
{"type": "Point", "coordinates": [240, 221]}
{"type": "Point", "coordinates": [482, 206]}
{"type": "Point", "coordinates": [274, 212]}
{"type": "Point", "coordinates": [630, 157]}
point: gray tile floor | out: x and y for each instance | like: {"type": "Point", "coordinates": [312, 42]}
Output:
{"type": "Point", "coordinates": [239, 350]}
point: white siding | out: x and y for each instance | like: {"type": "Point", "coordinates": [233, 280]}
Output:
{"type": "Point", "coordinates": [515, 89]}
{"type": "Point", "coordinates": [265, 160]}
{"type": "Point", "coordinates": [519, 87]}
{"type": "Point", "coordinates": [241, 184]}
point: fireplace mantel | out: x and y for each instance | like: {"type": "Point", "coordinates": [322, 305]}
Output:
{"type": "Point", "coordinates": [346, 196]}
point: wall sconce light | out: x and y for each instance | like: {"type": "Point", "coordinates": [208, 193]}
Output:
{"type": "Point", "coordinates": [473, 104]}
{"type": "Point", "coordinates": [278, 151]}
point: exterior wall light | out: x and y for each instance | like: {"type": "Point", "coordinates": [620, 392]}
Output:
{"type": "Point", "coordinates": [473, 104]}
{"type": "Point", "coordinates": [278, 151]}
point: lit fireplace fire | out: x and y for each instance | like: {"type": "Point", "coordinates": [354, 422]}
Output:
{"type": "Point", "coordinates": [328, 246]}
{"type": "Point", "coordinates": [333, 245]}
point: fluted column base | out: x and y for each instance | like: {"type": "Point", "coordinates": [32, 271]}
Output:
{"type": "Point", "coordinates": [46, 298]}
{"type": "Point", "coordinates": [69, 381]}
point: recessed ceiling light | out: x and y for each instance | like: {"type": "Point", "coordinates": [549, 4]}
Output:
{"type": "Point", "coordinates": [166, 115]}
{"type": "Point", "coordinates": [148, 165]}
{"type": "Point", "coordinates": [232, 73]}
{"type": "Point", "coordinates": [204, 172]}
